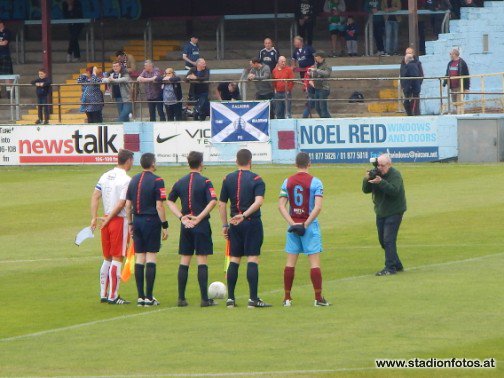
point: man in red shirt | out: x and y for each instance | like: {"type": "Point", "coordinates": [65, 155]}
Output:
{"type": "Point", "coordinates": [457, 67]}
{"type": "Point", "coordinates": [282, 85]}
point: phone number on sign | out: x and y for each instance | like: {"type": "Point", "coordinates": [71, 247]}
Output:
{"type": "Point", "coordinates": [344, 155]}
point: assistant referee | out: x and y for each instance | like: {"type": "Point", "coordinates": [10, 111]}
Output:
{"type": "Point", "coordinates": [146, 218]}
{"type": "Point", "coordinates": [245, 190]}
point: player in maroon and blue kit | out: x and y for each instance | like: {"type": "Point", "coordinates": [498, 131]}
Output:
{"type": "Point", "coordinates": [245, 190]}
{"type": "Point", "coordinates": [303, 193]}
{"type": "Point", "coordinates": [198, 198]}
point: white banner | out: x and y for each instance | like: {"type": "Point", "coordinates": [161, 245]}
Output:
{"type": "Point", "coordinates": [174, 140]}
{"type": "Point", "coordinates": [60, 144]}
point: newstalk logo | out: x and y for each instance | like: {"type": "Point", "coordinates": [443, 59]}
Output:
{"type": "Point", "coordinates": [68, 145]}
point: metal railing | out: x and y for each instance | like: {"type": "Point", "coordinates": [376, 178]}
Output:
{"type": "Point", "coordinates": [480, 99]}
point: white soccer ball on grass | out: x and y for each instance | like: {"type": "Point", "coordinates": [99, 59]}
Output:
{"type": "Point", "coordinates": [217, 290]}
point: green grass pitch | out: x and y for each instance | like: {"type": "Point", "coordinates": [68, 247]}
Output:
{"type": "Point", "coordinates": [448, 303]}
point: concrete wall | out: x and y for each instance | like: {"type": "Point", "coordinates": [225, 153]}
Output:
{"type": "Point", "coordinates": [467, 35]}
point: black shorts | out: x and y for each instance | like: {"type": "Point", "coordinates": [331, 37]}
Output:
{"type": "Point", "coordinates": [147, 233]}
{"type": "Point", "coordinates": [196, 240]}
{"type": "Point", "coordinates": [6, 65]}
{"type": "Point", "coordinates": [246, 239]}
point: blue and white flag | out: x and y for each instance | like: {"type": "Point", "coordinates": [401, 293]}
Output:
{"type": "Point", "coordinates": [240, 121]}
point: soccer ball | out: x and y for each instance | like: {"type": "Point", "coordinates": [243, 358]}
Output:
{"type": "Point", "coordinates": [217, 290]}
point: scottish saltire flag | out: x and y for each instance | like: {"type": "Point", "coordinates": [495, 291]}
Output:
{"type": "Point", "coordinates": [240, 121]}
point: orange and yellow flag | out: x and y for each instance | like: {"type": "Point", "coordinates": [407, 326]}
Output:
{"type": "Point", "coordinates": [129, 264]}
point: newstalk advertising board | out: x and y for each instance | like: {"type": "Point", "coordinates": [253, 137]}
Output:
{"type": "Point", "coordinates": [60, 144]}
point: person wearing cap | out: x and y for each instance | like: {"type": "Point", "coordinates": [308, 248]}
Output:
{"type": "Point", "coordinates": [151, 76]}
{"type": "Point", "coordinates": [5, 57]}
{"type": "Point", "coordinates": [319, 72]}
{"type": "Point", "coordinates": [191, 53]}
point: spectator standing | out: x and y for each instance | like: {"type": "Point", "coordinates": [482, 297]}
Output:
{"type": "Point", "coordinates": [198, 77]}
{"type": "Point", "coordinates": [351, 37]}
{"type": "Point", "coordinates": [72, 9]}
{"type": "Point", "coordinates": [172, 95]}
{"type": "Point", "coordinates": [310, 94]}
{"type": "Point", "coordinates": [228, 91]}
{"type": "Point", "coordinates": [283, 85]}
{"type": "Point", "coordinates": [372, 7]}
{"type": "Point", "coordinates": [411, 87]}
{"type": "Point", "coordinates": [337, 21]}
{"type": "Point", "coordinates": [260, 74]}
{"type": "Point", "coordinates": [457, 67]}
{"type": "Point", "coordinates": [302, 57]}
{"type": "Point", "coordinates": [269, 54]}
{"type": "Point", "coordinates": [151, 76]}
{"type": "Point", "coordinates": [127, 61]}
{"type": "Point", "coordinates": [402, 70]}
{"type": "Point", "coordinates": [321, 71]}
{"type": "Point", "coordinates": [92, 96]}
{"type": "Point", "coordinates": [391, 26]}
{"type": "Point", "coordinates": [5, 55]}
{"type": "Point", "coordinates": [42, 90]}
{"type": "Point", "coordinates": [305, 17]}
{"type": "Point", "coordinates": [120, 81]}
{"type": "Point", "coordinates": [191, 53]}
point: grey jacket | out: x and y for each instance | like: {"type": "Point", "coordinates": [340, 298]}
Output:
{"type": "Point", "coordinates": [124, 82]}
{"type": "Point", "coordinates": [262, 87]}
{"type": "Point", "coordinates": [322, 71]}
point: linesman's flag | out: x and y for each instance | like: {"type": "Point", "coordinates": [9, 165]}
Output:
{"type": "Point", "coordinates": [129, 264]}
{"type": "Point", "coordinates": [240, 121]}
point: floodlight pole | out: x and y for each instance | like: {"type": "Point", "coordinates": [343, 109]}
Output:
{"type": "Point", "coordinates": [46, 42]}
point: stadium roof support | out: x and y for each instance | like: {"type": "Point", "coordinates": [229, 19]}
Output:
{"type": "Point", "coordinates": [413, 24]}
{"type": "Point", "coordinates": [46, 36]}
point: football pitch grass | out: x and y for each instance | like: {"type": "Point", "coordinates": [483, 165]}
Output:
{"type": "Point", "coordinates": [448, 303]}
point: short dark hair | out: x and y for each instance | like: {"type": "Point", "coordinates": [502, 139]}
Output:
{"type": "Point", "coordinates": [255, 60]}
{"type": "Point", "coordinates": [42, 70]}
{"type": "Point", "coordinates": [195, 159]}
{"type": "Point", "coordinates": [123, 156]}
{"type": "Point", "coordinates": [147, 160]}
{"type": "Point", "coordinates": [120, 52]}
{"type": "Point", "coordinates": [243, 157]}
{"type": "Point", "coordinates": [302, 160]}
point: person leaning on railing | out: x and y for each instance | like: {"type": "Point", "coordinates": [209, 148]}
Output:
{"type": "Point", "coordinates": [457, 67]}
{"type": "Point", "coordinates": [121, 90]}
{"type": "Point", "coordinates": [198, 77]}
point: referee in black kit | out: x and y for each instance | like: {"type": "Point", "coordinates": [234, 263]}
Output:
{"type": "Point", "coordinates": [146, 218]}
{"type": "Point", "coordinates": [245, 190]}
{"type": "Point", "coordinates": [198, 198]}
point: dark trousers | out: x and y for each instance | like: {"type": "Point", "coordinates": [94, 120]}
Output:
{"type": "Point", "coordinates": [156, 104]}
{"type": "Point", "coordinates": [388, 228]}
{"type": "Point", "coordinates": [268, 96]}
{"type": "Point", "coordinates": [94, 117]}
{"type": "Point", "coordinates": [174, 112]}
{"type": "Point", "coordinates": [73, 44]}
{"type": "Point", "coordinates": [411, 103]}
{"type": "Point", "coordinates": [378, 30]}
{"type": "Point", "coordinates": [306, 31]}
{"type": "Point", "coordinates": [43, 108]}
{"type": "Point", "coordinates": [202, 107]}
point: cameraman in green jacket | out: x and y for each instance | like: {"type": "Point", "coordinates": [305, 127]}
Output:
{"type": "Point", "coordinates": [389, 200]}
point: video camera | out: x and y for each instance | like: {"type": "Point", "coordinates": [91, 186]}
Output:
{"type": "Point", "coordinates": [375, 171]}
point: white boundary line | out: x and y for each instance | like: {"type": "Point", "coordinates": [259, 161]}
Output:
{"type": "Point", "coordinates": [49, 259]}
{"type": "Point", "coordinates": [352, 247]}
{"type": "Point", "coordinates": [94, 322]}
